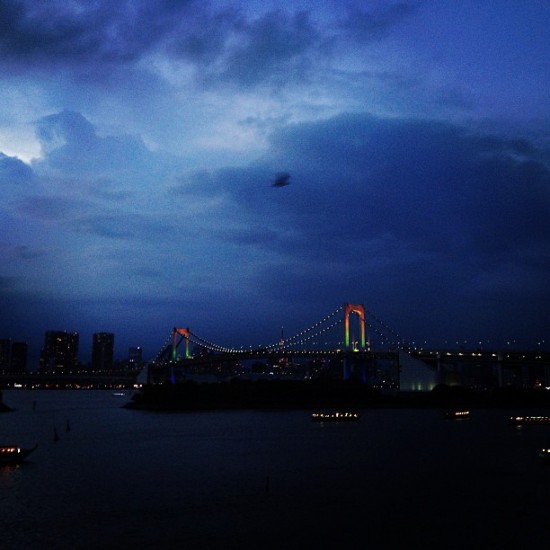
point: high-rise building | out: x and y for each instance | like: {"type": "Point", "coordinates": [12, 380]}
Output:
{"type": "Point", "coordinates": [18, 361]}
{"type": "Point", "coordinates": [60, 351]}
{"type": "Point", "coordinates": [135, 357]}
{"type": "Point", "coordinates": [5, 354]}
{"type": "Point", "coordinates": [103, 344]}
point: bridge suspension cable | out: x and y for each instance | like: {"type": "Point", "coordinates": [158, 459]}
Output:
{"type": "Point", "coordinates": [310, 336]}
{"type": "Point", "coordinates": [376, 325]}
{"type": "Point", "coordinates": [327, 323]}
{"type": "Point", "coordinates": [308, 333]}
{"type": "Point", "coordinates": [163, 350]}
{"type": "Point", "coordinates": [210, 345]}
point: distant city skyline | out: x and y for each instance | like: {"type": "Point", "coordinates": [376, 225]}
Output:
{"type": "Point", "coordinates": [101, 352]}
{"type": "Point", "coordinates": [237, 167]}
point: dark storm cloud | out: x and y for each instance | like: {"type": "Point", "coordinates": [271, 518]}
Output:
{"type": "Point", "coordinates": [429, 184]}
{"type": "Point", "coordinates": [58, 32]}
{"type": "Point", "coordinates": [10, 252]}
{"type": "Point", "coordinates": [72, 145]}
{"type": "Point", "coordinates": [223, 44]}
{"type": "Point", "coordinates": [430, 224]}
{"type": "Point", "coordinates": [204, 34]}
{"type": "Point", "coordinates": [277, 47]}
{"type": "Point", "coordinates": [365, 26]}
{"type": "Point", "coordinates": [252, 236]}
{"type": "Point", "coordinates": [226, 46]}
{"type": "Point", "coordinates": [67, 128]}
{"type": "Point", "coordinates": [14, 173]}
{"type": "Point", "coordinates": [106, 188]}
{"type": "Point", "coordinates": [24, 252]}
{"type": "Point", "coordinates": [123, 226]}
{"type": "Point", "coordinates": [359, 181]}
{"type": "Point", "coordinates": [81, 172]}
{"type": "Point", "coordinates": [407, 214]}
{"type": "Point", "coordinates": [105, 32]}
{"type": "Point", "coordinates": [271, 49]}
{"type": "Point", "coordinates": [51, 208]}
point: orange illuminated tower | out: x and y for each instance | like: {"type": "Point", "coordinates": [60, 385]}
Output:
{"type": "Point", "coordinates": [181, 332]}
{"type": "Point", "coordinates": [360, 311]}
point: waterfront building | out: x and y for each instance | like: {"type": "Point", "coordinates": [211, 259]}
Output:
{"type": "Point", "coordinates": [103, 344]}
{"type": "Point", "coordinates": [5, 353]}
{"type": "Point", "coordinates": [60, 351]}
{"type": "Point", "coordinates": [18, 362]}
{"type": "Point", "coordinates": [135, 357]}
{"type": "Point", "coordinates": [13, 356]}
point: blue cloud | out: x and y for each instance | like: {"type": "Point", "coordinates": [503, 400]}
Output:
{"type": "Point", "coordinates": [160, 127]}
{"type": "Point", "coordinates": [14, 174]}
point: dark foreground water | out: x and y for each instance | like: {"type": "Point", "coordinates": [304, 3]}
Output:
{"type": "Point", "coordinates": [246, 479]}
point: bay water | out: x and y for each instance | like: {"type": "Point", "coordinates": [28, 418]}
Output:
{"type": "Point", "coordinates": [398, 478]}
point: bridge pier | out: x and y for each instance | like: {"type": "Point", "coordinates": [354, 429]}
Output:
{"type": "Point", "coordinates": [500, 377]}
{"type": "Point", "coordinates": [347, 368]}
{"type": "Point", "coordinates": [355, 366]}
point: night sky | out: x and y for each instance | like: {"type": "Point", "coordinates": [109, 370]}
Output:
{"type": "Point", "coordinates": [140, 141]}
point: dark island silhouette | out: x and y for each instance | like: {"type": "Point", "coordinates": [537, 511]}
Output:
{"type": "Point", "coordinates": [314, 394]}
{"type": "Point", "coordinates": [3, 406]}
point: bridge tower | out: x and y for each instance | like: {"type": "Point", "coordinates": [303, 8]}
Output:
{"type": "Point", "coordinates": [184, 332]}
{"type": "Point", "coordinates": [349, 364]}
{"type": "Point", "coordinates": [282, 359]}
{"type": "Point", "coordinates": [359, 310]}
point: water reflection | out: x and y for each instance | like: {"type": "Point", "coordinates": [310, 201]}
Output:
{"type": "Point", "coordinates": [10, 475]}
{"type": "Point", "coordinates": [251, 479]}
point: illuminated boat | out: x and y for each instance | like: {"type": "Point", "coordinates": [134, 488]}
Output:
{"type": "Point", "coordinates": [12, 454]}
{"type": "Point", "coordinates": [455, 415]}
{"type": "Point", "coordinates": [335, 417]}
{"type": "Point", "coordinates": [544, 454]}
{"type": "Point", "coordinates": [530, 420]}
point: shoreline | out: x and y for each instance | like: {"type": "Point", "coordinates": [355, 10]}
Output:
{"type": "Point", "coordinates": [326, 394]}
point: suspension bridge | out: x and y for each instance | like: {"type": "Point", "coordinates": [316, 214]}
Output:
{"type": "Point", "coordinates": [334, 333]}
{"type": "Point", "coordinates": [351, 338]}
{"type": "Point", "coordinates": [357, 343]}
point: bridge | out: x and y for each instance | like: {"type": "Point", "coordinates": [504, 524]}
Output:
{"type": "Point", "coordinates": [349, 342]}
{"type": "Point", "coordinates": [310, 341]}
{"type": "Point", "coordinates": [347, 335]}
{"type": "Point", "coordinates": [356, 342]}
